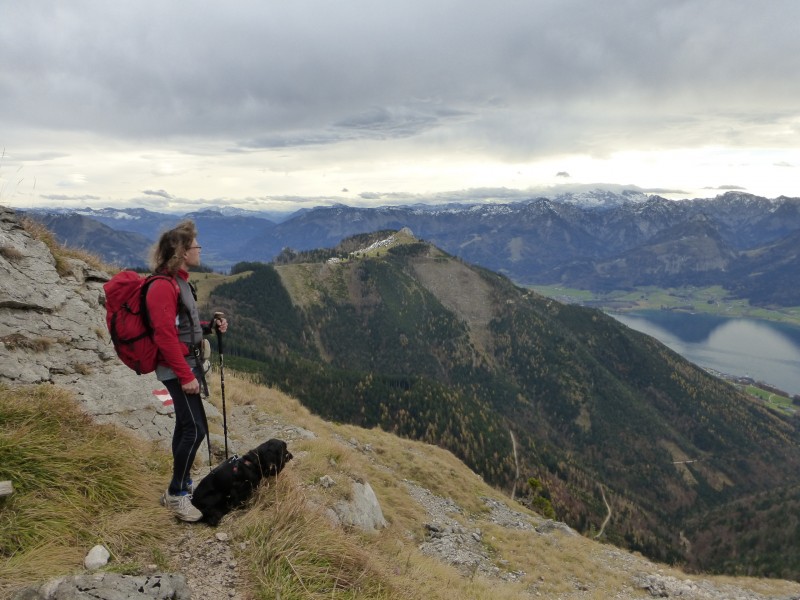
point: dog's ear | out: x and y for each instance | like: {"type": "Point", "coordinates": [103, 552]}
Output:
{"type": "Point", "coordinates": [284, 456]}
{"type": "Point", "coordinates": [274, 456]}
{"type": "Point", "coordinates": [266, 457]}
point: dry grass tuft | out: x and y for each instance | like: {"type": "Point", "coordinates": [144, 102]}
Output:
{"type": "Point", "coordinates": [14, 341]}
{"type": "Point", "coordinates": [11, 253]}
{"type": "Point", "coordinates": [61, 253]}
{"type": "Point", "coordinates": [297, 553]}
{"type": "Point", "coordinates": [76, 484]}
{"type": "Point", "coordinates": [82, 369]}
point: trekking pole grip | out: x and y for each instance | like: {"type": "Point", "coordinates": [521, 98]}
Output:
{"type": "Point", "coordinates": [217, 317]}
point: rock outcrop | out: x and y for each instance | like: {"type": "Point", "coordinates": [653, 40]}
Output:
{"type": "Point", "coordinates": [52, 330]}
{"type": "Point", "coordinates": [110, 585]}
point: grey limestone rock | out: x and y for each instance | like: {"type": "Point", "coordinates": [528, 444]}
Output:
{"type": "Point", "coordinates": [110, 586]}
{"type": "Point", "coordinates": [362, 510]}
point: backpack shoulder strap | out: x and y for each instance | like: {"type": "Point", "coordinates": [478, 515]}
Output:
{"type": "Point", "coordinates": [143, 297]}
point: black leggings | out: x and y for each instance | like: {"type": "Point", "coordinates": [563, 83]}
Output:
{"type": "Point", "coordinates": [190, 431]}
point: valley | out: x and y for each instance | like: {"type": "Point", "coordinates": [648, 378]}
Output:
{"type": "Point", "coordinates": [712, 300]}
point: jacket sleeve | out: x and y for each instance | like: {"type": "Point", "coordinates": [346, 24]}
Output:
{"type": "Point", "coordinates": [162, 307]}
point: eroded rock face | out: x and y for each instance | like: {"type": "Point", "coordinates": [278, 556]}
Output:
{"type": "Point", "coordinates": [53, 331]}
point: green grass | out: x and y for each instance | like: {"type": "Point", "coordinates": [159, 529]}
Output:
{"type": "Point", "coordinates": [776, 401]}
{"type": "Point", "coordinates": [206, 282]}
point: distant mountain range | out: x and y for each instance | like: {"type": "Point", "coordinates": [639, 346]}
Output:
{"type": "Point", "coordinates": [411, 339]}
{"type": "Point", "coordinates": [598, 241]}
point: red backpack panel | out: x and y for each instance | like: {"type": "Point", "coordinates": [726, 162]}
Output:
{"type": "Point", "coordinates": [128, 322]}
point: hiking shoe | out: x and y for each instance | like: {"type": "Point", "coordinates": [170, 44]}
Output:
{"type": "Point", "coordinates": [189, 490]}
{"type": "Point", "coordinates": [181, 506]}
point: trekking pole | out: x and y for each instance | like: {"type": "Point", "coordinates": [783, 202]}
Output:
{"type": "Point", "coordinates": [217, 316]}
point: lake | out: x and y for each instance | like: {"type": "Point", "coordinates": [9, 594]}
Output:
{"type": "Point", "coordinates": [763, 350]}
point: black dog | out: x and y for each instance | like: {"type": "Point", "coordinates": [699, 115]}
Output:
{"type": "Point", "coordinates": [231, 484]}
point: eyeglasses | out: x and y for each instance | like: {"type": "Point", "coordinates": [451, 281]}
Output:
{"type": "Point", "coordinates": [193, 247]}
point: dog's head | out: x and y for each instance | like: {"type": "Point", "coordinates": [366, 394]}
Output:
{"type": "Point", "coordinates": [272, 457]}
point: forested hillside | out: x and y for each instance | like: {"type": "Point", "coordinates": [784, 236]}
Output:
{"type": "Point", "coordinates": [410, 339]}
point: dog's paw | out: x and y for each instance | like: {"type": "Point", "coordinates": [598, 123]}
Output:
{"type": "Point", "coordinates": [212, 519]}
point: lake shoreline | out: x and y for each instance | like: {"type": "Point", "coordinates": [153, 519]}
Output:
{"type": "Point", "coordinates": [745, 351]}
{"type": "Point", "coordinates": [710, 300]}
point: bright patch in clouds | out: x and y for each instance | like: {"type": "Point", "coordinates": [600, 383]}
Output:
{"type": "Point", "coordinates": [73, 180]}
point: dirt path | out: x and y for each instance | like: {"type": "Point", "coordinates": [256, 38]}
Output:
{"type": "Point", "coordinates": [207, 556]}
{"type": "Point", "coordinates": [608, 516]}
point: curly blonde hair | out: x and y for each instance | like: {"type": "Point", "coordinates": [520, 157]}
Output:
{"type": "Point", "coordinates": [167, 254]}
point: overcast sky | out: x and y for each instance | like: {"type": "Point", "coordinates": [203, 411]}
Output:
{"type": "Point", "coordinates": [272, 105]}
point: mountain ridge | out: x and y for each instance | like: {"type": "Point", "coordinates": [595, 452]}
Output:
{"type": "Point", "coordinates": [532, 241]}
{"type": "Point", "coordinates": [418, 342]}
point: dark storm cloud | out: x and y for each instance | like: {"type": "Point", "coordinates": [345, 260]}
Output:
{"type": "Point", "coordinates": [60, 197]}
{"type": "Point", "coordinates": [375, 123]}
{"type": "Point", "coordinates": [727, 188]}
{"type": "Point", "coordinates": [160, 193]}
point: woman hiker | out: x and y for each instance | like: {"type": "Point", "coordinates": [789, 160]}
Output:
{"type": "Point", "coordinates": [178, 333]}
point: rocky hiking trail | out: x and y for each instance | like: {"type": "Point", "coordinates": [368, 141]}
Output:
{"type": "Point", "coordinates": [212, 571]}
{"type": "Point", "coordinates": [206, 556]}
